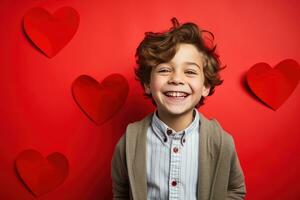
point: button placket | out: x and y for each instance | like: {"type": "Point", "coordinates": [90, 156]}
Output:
{"type": "Point", "coordinates": [175, 150]}
{"type": "Point", "coordinates": [174, 181]}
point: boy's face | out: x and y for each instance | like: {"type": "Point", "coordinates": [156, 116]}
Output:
{"type": "Point", "coordinates": [177, 86]}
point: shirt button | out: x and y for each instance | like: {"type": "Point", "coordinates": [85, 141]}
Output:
{"type": "Point", "coordinates": [169, 131]}
{"type": "Point", "coordinates": [175, 149]}
{"type": "Point", "coordinates": [183, 140]}
{"type": "Point", "coordinates": [165, 139]}
{"type": "Point", "coordinates": [174, 183]}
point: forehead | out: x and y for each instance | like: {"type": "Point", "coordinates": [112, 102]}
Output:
{"type": "Point", "coordinates": [188, 53]}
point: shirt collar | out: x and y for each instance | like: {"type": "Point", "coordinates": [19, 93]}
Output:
{"type": "Point", "coordinates": [161, 129]}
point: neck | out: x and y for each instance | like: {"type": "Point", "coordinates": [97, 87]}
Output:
{"type": "Point", "coordinates": [176, 122]}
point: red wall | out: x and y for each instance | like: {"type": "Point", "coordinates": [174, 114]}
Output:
{"type": "Point", "coordinates": [39, 112]}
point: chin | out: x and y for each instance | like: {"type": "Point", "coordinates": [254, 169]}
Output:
{"type": "Point", "coordinates": [178, 111]}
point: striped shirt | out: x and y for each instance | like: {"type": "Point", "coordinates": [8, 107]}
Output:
{"type": "Point", "coordinates": [172, 160]}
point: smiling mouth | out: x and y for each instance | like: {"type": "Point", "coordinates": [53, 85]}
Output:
{"type": "Point", "coordinates": [176, 94]}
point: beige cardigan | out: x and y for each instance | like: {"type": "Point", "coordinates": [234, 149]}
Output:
{"type": "Point", "coordinates": [220, 173]}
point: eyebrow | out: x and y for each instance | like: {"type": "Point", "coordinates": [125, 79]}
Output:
{"type": "Point", "coordinates": [188, 63]}
{"type": "Point", "coordinates": [192, 63]}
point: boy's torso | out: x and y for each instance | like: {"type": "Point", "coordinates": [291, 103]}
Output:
{"type": "Point", "coordinates": [212, 142]}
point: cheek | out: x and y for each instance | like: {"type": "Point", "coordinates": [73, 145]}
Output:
{"type": "Point", "coordinates": [156, 84]}
{"type": "Point", "coordinates": [197, 85]}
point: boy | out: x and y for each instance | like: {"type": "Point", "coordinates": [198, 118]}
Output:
{"type": "Point", "coordinates": [176, 152]}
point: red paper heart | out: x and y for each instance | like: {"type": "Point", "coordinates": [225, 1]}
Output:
{"type": "Point", "coordinates": [50, 33]}
{"type": "Point", "coordinates": [274, 86]}
{"type": "Point", "coordinates": [100, 101]}
{"type": "Point", "coordinates": [41, 175]}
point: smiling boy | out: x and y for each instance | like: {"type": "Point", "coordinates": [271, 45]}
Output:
{"type": "Point", "coordinates": [176, 152]}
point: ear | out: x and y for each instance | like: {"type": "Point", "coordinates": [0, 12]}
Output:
{"type": "Point", "coordinates": [205, 90]}
{"type": "Point", "coordinates": [147, 88]}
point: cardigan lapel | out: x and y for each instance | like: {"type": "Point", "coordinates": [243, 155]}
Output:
{"type": "Point", "coordinates": [140, 159]}
{"type": "Point", "coordinates": [207, 160]}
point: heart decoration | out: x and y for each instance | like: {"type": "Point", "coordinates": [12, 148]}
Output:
{"type": "Point", "coordinates": [41, 175]}
{"type": "Point", "coordinates": [102, 101]}
{"type": "Point", "coordinates": [273, 86]}
{"type": "Point", "coordinates": [50, 33]}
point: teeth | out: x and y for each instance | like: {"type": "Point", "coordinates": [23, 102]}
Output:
{"type": "Point", "coordinates": [176, 94]}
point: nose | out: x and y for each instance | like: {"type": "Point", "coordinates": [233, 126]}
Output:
{"type": "Point", "coordinates": [176, 78]}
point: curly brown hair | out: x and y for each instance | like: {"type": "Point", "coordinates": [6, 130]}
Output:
{"type": "Point", "coordinates": [161, 47]}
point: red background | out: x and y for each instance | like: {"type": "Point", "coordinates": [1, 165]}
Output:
{"type": "Point", "coordinates": [38, 111]}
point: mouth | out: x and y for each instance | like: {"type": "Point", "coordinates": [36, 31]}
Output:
{"type": "Point", "coordinates": [176, 94]}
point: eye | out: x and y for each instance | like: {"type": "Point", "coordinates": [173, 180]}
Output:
{"type": "Point", "coordinates": [163, 70]}
{"type": "Point", "coordinates": [191, 72]}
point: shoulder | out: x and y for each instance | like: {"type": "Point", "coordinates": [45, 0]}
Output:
{"type": "Point", "coordinates": [147, 118]}
{"type": "Point", "coordinates": [215, 133]}
{"type": "Point", "coordinates": [134, 128]}
{"type": "Point", "coordinates": [132, 131]}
